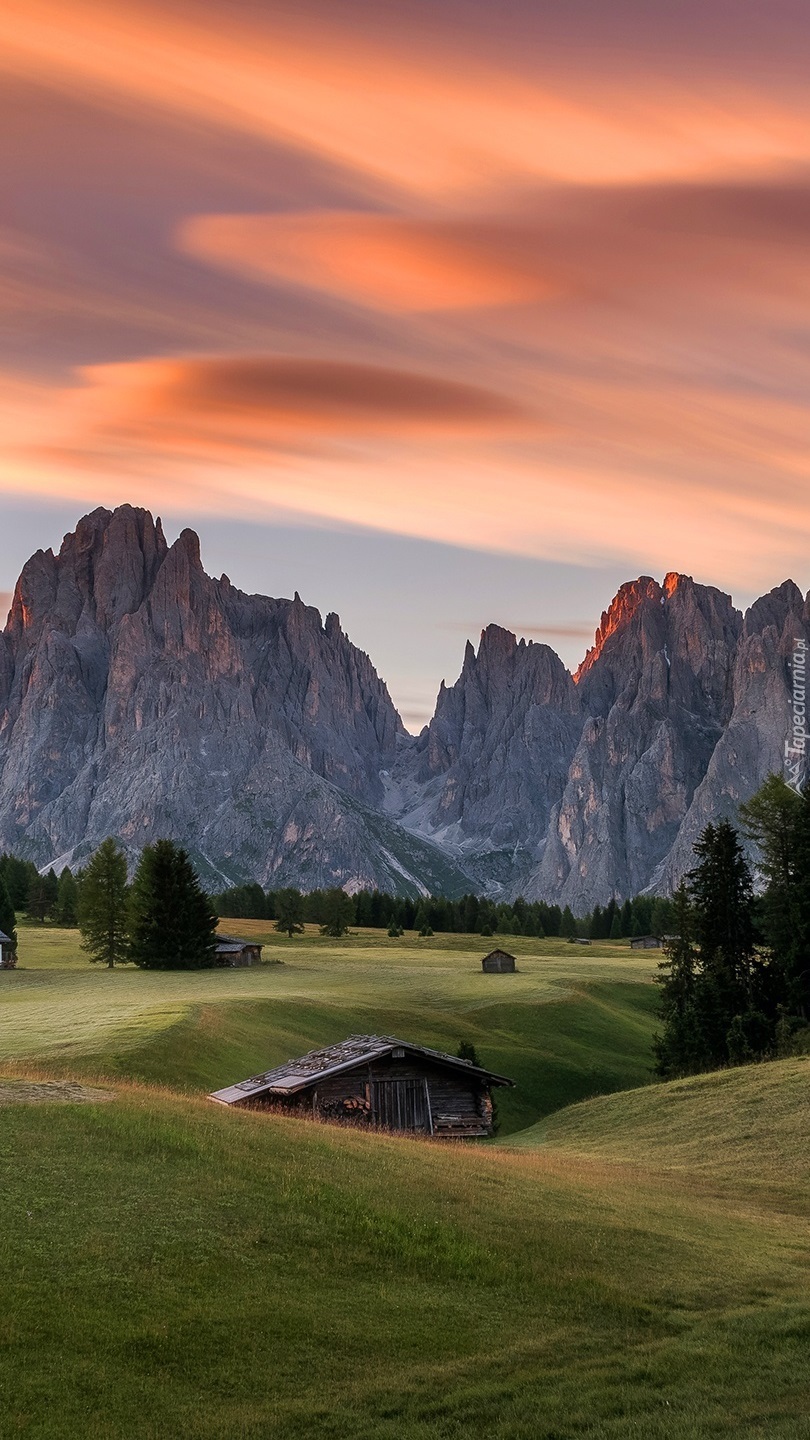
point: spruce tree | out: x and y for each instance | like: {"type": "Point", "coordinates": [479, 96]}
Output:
{"type": "Point", "coordinates": [627, 919]}
{"type": "Point", "coordinates": [778, 820]}
{"type": "Point", "coordinates": [568, 925]}
{"type": "Point", "coordinates": [8, 918]}
{"type": "Point", "coordinates": [616, 926]}
{"type": "Point", "coordinates": [289, 912]}
{"type": "Point", "coordinates": [172, 924]}
{"type": "Point", "coordinates": [338, 913]}
{"type": "Point", "coordinates": [103, 906]}
{"type": "Point", "coordinates": [67, 900]}
{"type": "Point", "coordinates": [676, 1049]}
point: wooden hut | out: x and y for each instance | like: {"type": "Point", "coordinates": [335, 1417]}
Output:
{"type": "Point", "coordinates": [379, 1083]}
{"type": "Point", "coordinates": [234, 952]}
{"type": "Point", "coordinates": [8, 952]}
{"type": "Point", "coordinates": [646, 942]}
{"type": "Point", "coordinates": [498, 962]}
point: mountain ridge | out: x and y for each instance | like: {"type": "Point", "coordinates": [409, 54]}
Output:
{"type": "Point", "coordinates": [139, 696]}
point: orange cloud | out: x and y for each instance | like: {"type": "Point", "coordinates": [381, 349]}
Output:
{"type": "Point", "coordinates": [390, 263]}
{"type": "Point", "coordinates": [228, 402]}
{"type": "Point", "coordinates": [399, 121]}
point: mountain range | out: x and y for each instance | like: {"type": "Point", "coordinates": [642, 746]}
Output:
{"type": "Point", "coordinates": [139, 698]}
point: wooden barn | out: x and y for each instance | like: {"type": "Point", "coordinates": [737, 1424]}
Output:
{"type": "Point", "coordinates": [498, 962]}
{"type": "Point", "coordinates": [8, 952]}
{"type": "Point", "coordinates": [234, 952]}
{"type": "Point", "coordinates": [378, 1082]}
{"type": "Point", "coordinates": [646, 942]}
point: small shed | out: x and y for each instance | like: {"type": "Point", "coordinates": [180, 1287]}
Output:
{"type": "Point", "coordinates": [379, 1083]}
{"type": "Point", "coordinates": [8, 952]}
{"type": "Point", "coordinates": [646, 942]}
{"type": "Point", "coordinates": [498, 962]}
{"type": "Point", "coordinates": [234, 952]}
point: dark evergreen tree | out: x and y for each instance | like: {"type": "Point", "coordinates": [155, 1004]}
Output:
{"type": "Point", "coordinates": [289, 907]}
{"type": "Point", "coordinates": [711, 980]}
{"type": "Point", "coordinates": [778, 820]}
{"type": "Point", "coordinates": [568, 925]}
{"type": "Point", "coordinates": [616, 926]}
{"type": "Point", "coordinates": [67, 900]}
{"type": "Point", "coordinates": [8, 918]}
{"type": "Point", "coordinates": [337, 913]}
{"type": "Point", "coordinates": [103, 919]}
{"type": "Point", "coordinates": [627, 920]}
{"type": "Point", "coordinates": [172, 924]}
{"type": "Point", "coordinates": [676, 1049]}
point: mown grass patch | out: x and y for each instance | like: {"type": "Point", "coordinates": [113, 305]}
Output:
{"type": "Point", "coordinates": [569, 1024]}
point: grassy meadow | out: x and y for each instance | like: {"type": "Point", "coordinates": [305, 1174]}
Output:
{"type": "Point", "coordinates": [632, 1266]}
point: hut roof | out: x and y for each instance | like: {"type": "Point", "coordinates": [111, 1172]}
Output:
{"type": "Point", "coordinates": [5, 939]}
{"type": "Point", "coordinates": [230, 944]}
{"type": "Point", "coordinates": [499, 951]}
{"type": "Point", "coordinates": [317, 1064]}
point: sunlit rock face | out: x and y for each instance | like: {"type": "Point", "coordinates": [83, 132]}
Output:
{"type": "Point", "coordinates": [657, 691]}
{"type": "Point", "coordinates": [141, 698]}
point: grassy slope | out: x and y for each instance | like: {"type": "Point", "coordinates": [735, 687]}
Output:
{"type": "Point", "coordinates": [572, 1023]}
{"type": "Point", "coordinates": [748, 1127]}
{"type": "Point", "coordinates": [633, 1268]}
{"type": "Point", "coordinates": [169, 1269]}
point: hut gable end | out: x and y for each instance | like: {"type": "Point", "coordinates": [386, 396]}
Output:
{"type": "Point", "coordinates": [498, 962]}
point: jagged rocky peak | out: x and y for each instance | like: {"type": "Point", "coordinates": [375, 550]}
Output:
{"type": "Point", "coordinates": [104, 570]}
{"type": "Point", "coordinates": [630, 599]}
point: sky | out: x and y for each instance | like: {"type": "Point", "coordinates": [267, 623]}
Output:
{"type": "Point", "coordinates": [440, 314]}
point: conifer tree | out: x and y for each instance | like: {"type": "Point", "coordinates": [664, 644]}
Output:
{"type": "Point", "coordinates": [67, 900]}
{"type": "Point", "coordinates": [103, 906]}
{"type": "Point", "coordinates": [338, 913]}
{"type": "Point", "coordinates": [8, 918]}
{"type": "Point", "coordinates": [289, 912]}
{"type": "Point", "coordinates": [172, 924]}
{"type": "Point", "coordinates": [568, 925]}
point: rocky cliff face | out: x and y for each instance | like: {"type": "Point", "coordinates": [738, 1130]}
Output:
{"type": "Point", "coordinates": [484, 776]}
{"type": "Point", "coordinates": [139, 698]}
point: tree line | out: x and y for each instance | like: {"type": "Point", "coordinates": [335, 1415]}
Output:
{"type": "Point", "coordinates": [472, 914]}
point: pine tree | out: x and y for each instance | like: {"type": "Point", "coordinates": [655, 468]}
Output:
{"type": "Point", "coordinates": [568, 925]}
{"type": "Point", "coordinates": [67, 900]}
{"type": "Point", "coordinates": [103, 906]}
{"type": "Point", "coordinates": [289, 912]}
{"type": "Point", "coordinates": [8, 918]}
{"type": "Point", "coordinates": [338, 913]}
{"type": "Point", "coordinates": [778, 820]}
{"type": "Point", "coordinates": [627, 920]}
{"type": "Point", "coordinates": [616, 926]}
{"type": "Point", "coordinates": [676, 1050]}
{"type": "Point", "coordinates": [172, 924]}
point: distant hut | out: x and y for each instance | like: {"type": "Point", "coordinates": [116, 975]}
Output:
{"type": "Point", "coordinates": [498, 962]}
{"type": "Point", "coordinates": [236, 953]}
{"type": "Point", "coordinates": [8, 952]}
{"type": "Point", "coordinates": [646, 942]}
{"type": "Point", "coordinates": [380, 1083]}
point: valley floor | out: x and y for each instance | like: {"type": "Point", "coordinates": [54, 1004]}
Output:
{"type": "Point", "coordinates": [634, 1265]}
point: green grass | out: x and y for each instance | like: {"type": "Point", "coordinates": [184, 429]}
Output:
{"type": "Point", "coordinates": [634, 1267]}
{"type": "Point", "coordinates": [170, 1269]}
{"type": "Point", "coordinates": [572, 1022]}
{"type": "Point", "coordinates": [748, 1127]}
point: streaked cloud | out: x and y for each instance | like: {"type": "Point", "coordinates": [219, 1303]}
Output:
{"type": "Point", "coordinates": [533, 283]}
{"type": "Point", "coordinates": [384, 261]}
